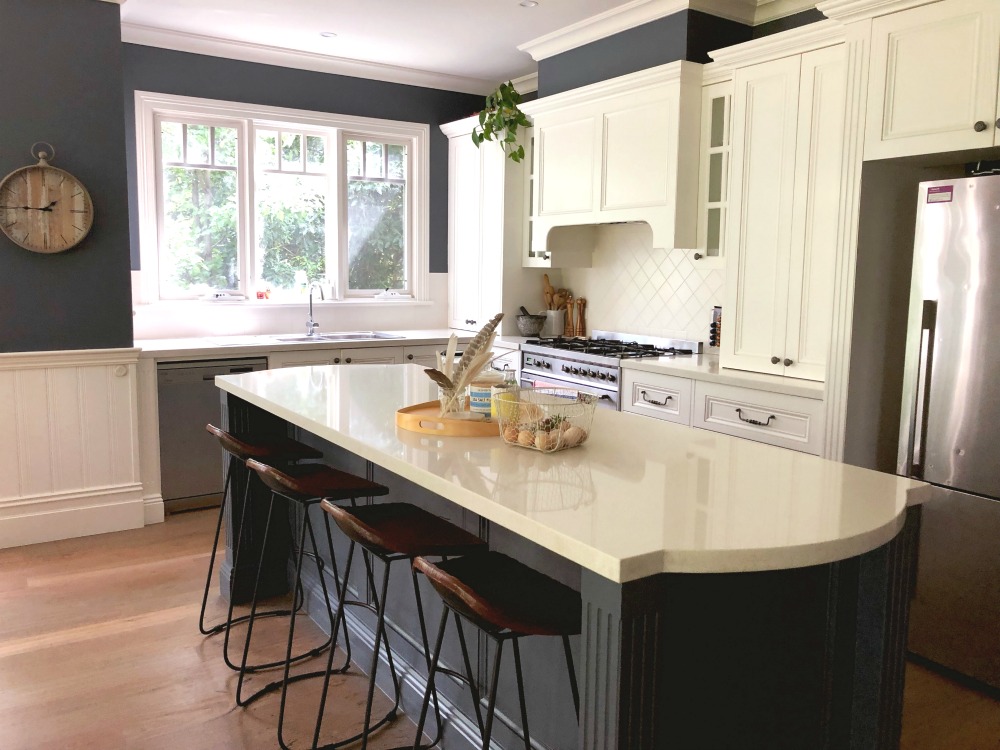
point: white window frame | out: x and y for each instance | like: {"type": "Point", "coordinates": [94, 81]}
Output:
{"type": "Point", "coordinates": [150, 107]}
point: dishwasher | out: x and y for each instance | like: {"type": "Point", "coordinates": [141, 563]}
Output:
{"type": "Point", "coordinates": [191, 468]}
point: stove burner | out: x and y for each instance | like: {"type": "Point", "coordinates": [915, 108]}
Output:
{"type": "Point", "coordinates": [609, 347]}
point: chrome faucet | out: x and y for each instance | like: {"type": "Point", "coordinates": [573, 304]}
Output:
{"type": "Point", "coordinates": [312, 325]}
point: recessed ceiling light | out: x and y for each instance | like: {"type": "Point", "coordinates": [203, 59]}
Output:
{"type": "Point", "coordinates": [529, 3]}
{"type": "Point", "coordinates": [328, 34]}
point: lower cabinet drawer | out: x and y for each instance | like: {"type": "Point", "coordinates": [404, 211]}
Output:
{"type": "Point", "coordinates": [654, 395]}
{"type": "Point", "coordinates": [773, 418]}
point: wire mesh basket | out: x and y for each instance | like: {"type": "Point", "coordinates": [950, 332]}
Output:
{"type": "Point", "coordinates": [545, 419]}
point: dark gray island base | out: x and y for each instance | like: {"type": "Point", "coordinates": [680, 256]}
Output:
{"type": "Point", "coordinates": [804, 658]}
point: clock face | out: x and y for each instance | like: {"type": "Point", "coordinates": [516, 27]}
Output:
{"type": "Point", "coordinates": [44, 209]}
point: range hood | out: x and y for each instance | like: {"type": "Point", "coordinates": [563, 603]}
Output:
{"type": "Point", "coordinates": [619, 151]}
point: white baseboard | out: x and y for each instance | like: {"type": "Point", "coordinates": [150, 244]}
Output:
{"type": "Point", "coordinates": [71, 515]}
{"type": "Point", "coordinates": [153, 509]}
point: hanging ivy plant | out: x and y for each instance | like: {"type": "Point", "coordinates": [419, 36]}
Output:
{"type": "Point", "coordinates": [499, 120]}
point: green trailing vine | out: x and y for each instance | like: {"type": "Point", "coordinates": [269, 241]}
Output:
{"type": "Point", "coordinates": [499, 120]}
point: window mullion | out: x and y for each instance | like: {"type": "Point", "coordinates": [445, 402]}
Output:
{"type": "Point", "coordinates": [246, 245]}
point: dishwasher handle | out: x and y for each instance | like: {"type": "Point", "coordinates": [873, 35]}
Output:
{"type": "Point", "coordinates": [232, 371]}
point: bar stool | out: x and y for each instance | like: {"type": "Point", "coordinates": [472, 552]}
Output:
{"type": "Point", "coordinates": [506, 600]}
{"type": "Point", "coordinates": [303, 486]}
{"type": "Point", "coordinates": [274, 451]}
{"type": "Point", "coordinates": [392, 532]}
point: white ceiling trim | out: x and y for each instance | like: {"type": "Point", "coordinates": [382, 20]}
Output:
{"type": "Point", "coordinates": [261, 53]}
{"type": "Point", "coordinates": [600, 26]}
{"type": "Point", "coordinates": [772, 10]}
{"type": "Point", "coordinates": [526, 84]}
{"type": "Point", "coordinates": [741, 11]}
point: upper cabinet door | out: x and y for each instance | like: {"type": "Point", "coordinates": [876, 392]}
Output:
{"type": "Point", "coordinates": [464, 234]}
{"type": "Point", "coordinates": [639, 154]}
{"type": "Point", "coordinates": [933, 81]}
{"type": "Point", "coordinates": [819, 167]}
{"type": "Point", "coordinates": [759, 235]}
{"type": "Point", "coordinates": [565, 148]}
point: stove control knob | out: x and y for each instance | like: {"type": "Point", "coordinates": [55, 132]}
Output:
{"type": "Point", "coordinates": [566, 368]}
{"type": "Point", "coordinates": [592, 373]}
{"type": "Point", "coordinates": [612, 378]}
{"type": "Point", "coordinates": [602, 376]}
{"type": "Point", "coordinates": [548, 365]}
{"type": "Point", "coordinates": [574, 370]}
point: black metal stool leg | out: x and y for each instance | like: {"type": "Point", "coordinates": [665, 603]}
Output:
{"type": "Point", "coordinates": [253, 606]}
{"type": "Point", "coordinates": [215, 548]}
{"type": "Point", "coordinates": [425, 704]}
{"type": "Point", "coordinates": [492, 703]}
{"type": "Point", "coordinates": [572, 675]}
{"type": "Point", "coordinates": [379, 633]}
{"type": "Point", "coordinates": [338, 619]}
{"type": "Point", "coordinates": [520, 692]}
{"type": "Point", "coordinates": [336, 582]}
{"type": "Point", "coordinates": [427, 651]}
{"type": "Point", "coordinates": [291, 635]}
{"type": "Point", "coordinates": [468, 671]}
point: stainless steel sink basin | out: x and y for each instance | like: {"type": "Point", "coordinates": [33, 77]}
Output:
{"type": "Point", "coordinates": [316, 338]}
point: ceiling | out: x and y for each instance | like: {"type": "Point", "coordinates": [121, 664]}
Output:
{"type": "Point", "coordinates": [473, 41]}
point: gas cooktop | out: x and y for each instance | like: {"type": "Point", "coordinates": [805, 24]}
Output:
{"type": "Point", "coordinates": [617, 346]}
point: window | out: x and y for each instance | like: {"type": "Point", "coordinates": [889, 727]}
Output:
{"type": "Point", "coordinates": [263, 201]}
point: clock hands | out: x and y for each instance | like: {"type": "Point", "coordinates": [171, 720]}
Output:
{"type": "Point", "coordinates": [32, 208]}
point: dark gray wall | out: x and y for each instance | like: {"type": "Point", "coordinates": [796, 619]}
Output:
{"type": "Point", "coordinates": [169, 72]}
{"type": "Point", "coordinates": [686, 35]}
{"type": "Point", "coordinates": [62, 72]}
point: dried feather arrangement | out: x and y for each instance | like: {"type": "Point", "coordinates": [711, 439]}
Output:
{"type": "Point", "coordinates": [454, 378]}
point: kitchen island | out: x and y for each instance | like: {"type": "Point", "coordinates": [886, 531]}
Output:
{"type": "Point", "coordinates": [735, 594]}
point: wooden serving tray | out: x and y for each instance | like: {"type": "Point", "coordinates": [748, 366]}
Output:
{"type": "Point", "coordinates": [426, 418]}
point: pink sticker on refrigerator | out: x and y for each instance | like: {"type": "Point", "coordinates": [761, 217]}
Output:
{"type": "Point", "coordinates": [940, 193]}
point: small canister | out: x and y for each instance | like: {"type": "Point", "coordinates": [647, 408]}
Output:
{"type": "Point", "coordinates": [480, 397]}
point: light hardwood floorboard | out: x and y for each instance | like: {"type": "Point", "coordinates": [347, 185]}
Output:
{"type": "Point", "coordinates": [99, 649]}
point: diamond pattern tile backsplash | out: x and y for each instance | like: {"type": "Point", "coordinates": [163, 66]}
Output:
{"type": "Point", "coordinates": [634, 288]}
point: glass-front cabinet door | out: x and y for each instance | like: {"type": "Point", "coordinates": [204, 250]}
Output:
{"type": "Point", "coordinates": [713, 180]}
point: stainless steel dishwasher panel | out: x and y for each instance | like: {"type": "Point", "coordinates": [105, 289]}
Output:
{"type": "Point", "coordinates": [191, 459]}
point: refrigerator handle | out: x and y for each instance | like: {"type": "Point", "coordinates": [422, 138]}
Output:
{"type": "Point", "coordinates": [928, 325]}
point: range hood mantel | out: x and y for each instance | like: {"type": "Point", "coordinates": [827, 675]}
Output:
{"type": "Point", "coordinates": [624, 150]}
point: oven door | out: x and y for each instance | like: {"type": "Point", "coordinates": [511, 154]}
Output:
{"type": "Point", "coordinates": [605, 399]}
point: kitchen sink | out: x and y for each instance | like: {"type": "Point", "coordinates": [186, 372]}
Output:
{"type": "Point", "coordinates": [301, 338]}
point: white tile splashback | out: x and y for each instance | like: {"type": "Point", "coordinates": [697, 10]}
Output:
{"type": "Point", "coordinates": [634, 288]}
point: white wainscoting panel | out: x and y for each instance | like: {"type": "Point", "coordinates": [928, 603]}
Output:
{"type": "Point", "coordinates": [69, 446]}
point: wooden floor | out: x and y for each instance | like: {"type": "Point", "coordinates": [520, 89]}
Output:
{"type": "Point", "coordinates": [99, 650]}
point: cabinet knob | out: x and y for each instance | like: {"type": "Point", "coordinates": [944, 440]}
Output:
{"type": "Point", "coordinates": [698, 256]}
{"type": "Point", "coordinates": [469, 322]}
{"type": "Point", "coordinates": [775, 360]}
{"type": "Point", "coordinates": [336, 360]}
{"type": "Point", "coordinates": [409, 356]}
{"type": "Point", "coordinates": [788, 362]}
{"type": "Point", "coordinates": [348, 360]}
{"type": "Point", "coordinates": [979, 127]}
{"type": "Point", "coordinates": [998, 123]}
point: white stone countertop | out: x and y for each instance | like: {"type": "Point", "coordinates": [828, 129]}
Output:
{"type": "Point", "coordinates": [235, 346]}
{"type": "Point", "coordinates": [706, 367]}
{"type": "Point", "coordinates": [640, 497]}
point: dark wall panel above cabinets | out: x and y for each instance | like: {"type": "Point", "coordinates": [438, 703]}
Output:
{"type": "Point", "coordinates": [685, 35]}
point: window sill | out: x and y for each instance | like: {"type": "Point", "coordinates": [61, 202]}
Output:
{"type": "Point", "coordinates": [284, 304]}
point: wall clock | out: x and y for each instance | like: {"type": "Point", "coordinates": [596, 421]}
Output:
{"type": "Point", "coordinates": [44, 209]}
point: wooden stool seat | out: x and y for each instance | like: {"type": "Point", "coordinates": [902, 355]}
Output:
{"type": "Point", "coordinates": [314, 482]}
{"type": "Point", "coordinates": [403, 529]}
{"type": "Point", "coordinates": [279, 450]}
{"type": "Point", "coordinates": [499, 593]}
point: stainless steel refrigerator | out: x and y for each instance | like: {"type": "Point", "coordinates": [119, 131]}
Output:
{"type": "Point", "coordinates": [950, 426]}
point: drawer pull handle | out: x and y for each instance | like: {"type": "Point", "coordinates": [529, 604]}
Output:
{"type": "Point", "coordinates": [757, 422]}
{"type": "Point", "coordinates": [653, 401]}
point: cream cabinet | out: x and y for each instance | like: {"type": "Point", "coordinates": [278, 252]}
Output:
{"type": "Point", "coordinates": [372, 355]}
{"type": "Point", "coordinates": [784, 205]}
{"type": "Point", "coordinates": [425, 356]}
{"type": "Point", "coordinates": [933, 80]}
{"type": "Point", "coordinates": [618, 151]}
{"type": "Point", "coordinates": [486, 218]}
{"type": "Point", "coordinates": [657, 395]}
{"type": "Point", "coordinates": [316, 355]}
{"type": "Point", "coordinates": [713, 173]}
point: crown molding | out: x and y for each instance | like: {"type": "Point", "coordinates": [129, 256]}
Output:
{"type": "Point", "coordinates": [116, 2]}
{"type": "Point", "coordinates": [687, 72]}
{"type": "Point", "coordinates": [526, 84]}
{"type": "Point", "coordinates": [741, 11]}
{"type": "Point", "coordinates": [847, 11]}
{"type": "Point", "coordinates": [792, 42]}
{"type": "Point", "coordinates": [714, 72]}
{"type": "Point", "coordinates": [261, 53]}
{"type": "Point", "coordinates": [627, 16]}
{"type": "Point", "coordinates": [772, 10]}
